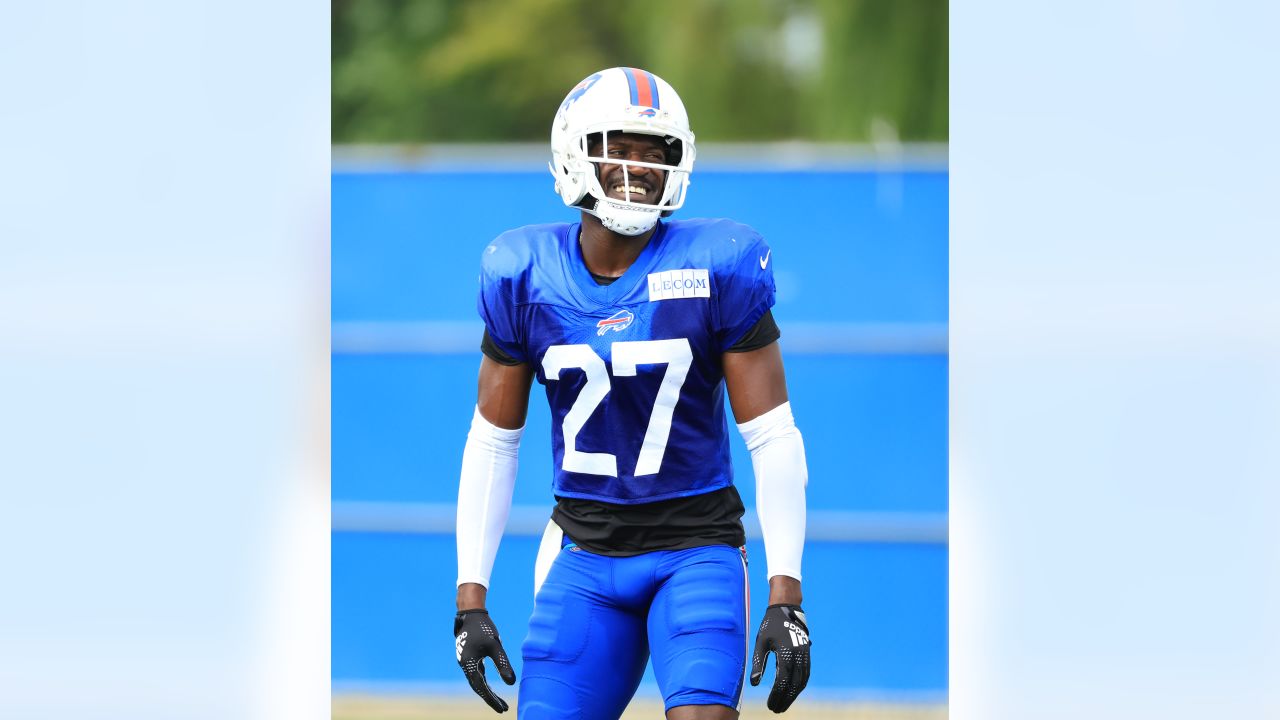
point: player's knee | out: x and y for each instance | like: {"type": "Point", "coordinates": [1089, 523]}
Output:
{"type": "Point", "coordinates": [545, 698]}
{"type": "Point", "coordinates": [707, 676]}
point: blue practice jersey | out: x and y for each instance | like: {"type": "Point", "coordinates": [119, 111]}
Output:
{"type": "Point", "coordinates": [632, 369]}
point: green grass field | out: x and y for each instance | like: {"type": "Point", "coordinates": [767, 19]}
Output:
{"type": "Point", "coordinates": [362, 707]}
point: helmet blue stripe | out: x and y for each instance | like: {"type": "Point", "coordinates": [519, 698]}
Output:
{"type": "Point", "coordinates": [653, 83]}
{"type": "Point", "coordinates": [631, 83]}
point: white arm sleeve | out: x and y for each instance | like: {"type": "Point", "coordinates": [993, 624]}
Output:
{"type": "Point", "coordinates": [484, 496]}
{"type": "Point", "coordinates": [777, 456]}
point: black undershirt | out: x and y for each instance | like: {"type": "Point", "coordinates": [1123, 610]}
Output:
{"type": "Point", "coordinates": [712, 518]}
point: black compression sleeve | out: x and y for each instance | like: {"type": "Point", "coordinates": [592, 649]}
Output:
{"type": "Point", "coordinates": [495, 353]}
{"type": "Point", "coordinates": [761, 334]}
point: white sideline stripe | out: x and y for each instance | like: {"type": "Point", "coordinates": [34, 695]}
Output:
{"type": "Point", "coordinates": [787, 156]}
{"type": "Point", "coordinates": [531, 521]}
{"type": "Point", "coordinates": [799, 338]}
{"type": "Point", "coordinates": [440, 337]}
{"type": "Point", "coordinates": [811, 338]}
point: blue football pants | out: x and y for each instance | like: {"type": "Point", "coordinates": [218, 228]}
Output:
{"type": "Point", "coordinates": [597, 619]}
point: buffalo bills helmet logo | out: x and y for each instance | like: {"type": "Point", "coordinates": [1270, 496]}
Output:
{"type": "Point", "coordinates": [578, 91]}
{"type": "Point", "coordinates": [619, 321]}
{"type": "Point", "coordinates": [647, 112]}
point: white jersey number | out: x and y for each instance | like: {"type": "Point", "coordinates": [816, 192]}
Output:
{"type": "Point", "coordinates": [675, 354]}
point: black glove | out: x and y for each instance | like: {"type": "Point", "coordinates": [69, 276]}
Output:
{"type": "Point", "coordinates": [475, 638]}
{"type": "Point", "coordinates": [784, 633]}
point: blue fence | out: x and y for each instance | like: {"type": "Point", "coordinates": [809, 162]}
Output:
{"type": "Point", "coordinates": [862, 302]}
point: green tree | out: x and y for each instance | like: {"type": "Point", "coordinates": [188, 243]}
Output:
{"type": "Point", "coordinates": [408, 71]}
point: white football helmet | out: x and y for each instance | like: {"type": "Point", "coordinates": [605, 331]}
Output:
{"type": "Point", "coordinates": [620, 100]}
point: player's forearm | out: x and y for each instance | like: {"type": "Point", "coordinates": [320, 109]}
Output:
{"type": "Point", "coordinates": [471, 596]}
{"type": "Point", "coordinates": [484, 498]}
{"type": "Point", "coordinates": [777, 456]}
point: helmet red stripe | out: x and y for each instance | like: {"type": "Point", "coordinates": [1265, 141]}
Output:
{"type": "Point", "coordinates": [644, 87]}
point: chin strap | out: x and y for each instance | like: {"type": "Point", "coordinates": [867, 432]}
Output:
{"type": "Point", "coordinates": [623, 220]}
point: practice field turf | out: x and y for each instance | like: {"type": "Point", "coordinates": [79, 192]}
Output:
{"type": "Point", "coordinates": [357, 707]}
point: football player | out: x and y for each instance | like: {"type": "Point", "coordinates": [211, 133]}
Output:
{"type": "Point", "coordinates": [636, 326]}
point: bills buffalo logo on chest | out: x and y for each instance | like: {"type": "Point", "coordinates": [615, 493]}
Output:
{"type": "Point", "coordinates": [617, 322]}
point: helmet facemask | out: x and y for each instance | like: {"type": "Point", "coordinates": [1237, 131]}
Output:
{"type": "Point", "coordinates": [628, 216]}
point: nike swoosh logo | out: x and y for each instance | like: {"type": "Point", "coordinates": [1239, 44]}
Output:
{"type": "Point", "coordinates": [764, 261]}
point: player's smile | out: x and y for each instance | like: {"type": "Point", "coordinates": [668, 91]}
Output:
{"type": "Point", "coordinates": [640, 190]}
